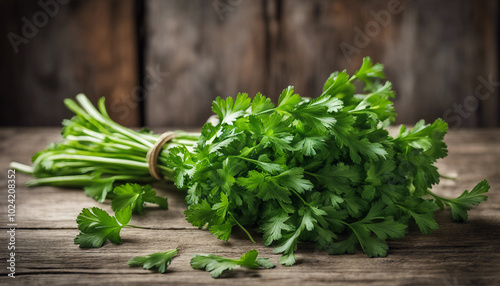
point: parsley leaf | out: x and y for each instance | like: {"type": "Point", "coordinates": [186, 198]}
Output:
{"type": "Point", "coordinates": [422, 211]}
{"type": "Point", "coordinates": [261, 104]}
{"type": "Point", "coordinates": [96, 226]}
{"type": "Point", "coordinates": [462, 204]}
{"type": "Point", "coordinates": [375, 222]}
{"type": "Point", "coordinates": [160, 261]}
{"type": "Point", "coordinates": [275, 225]}
{"type": "Point", "coordinates": [217, 265]}
{"type": "Point", "coordinates": [100, 188]}
{"type": "Point", "coordinates": [229, 112]}
{"type": "Point", "coordinates": [134, 196]}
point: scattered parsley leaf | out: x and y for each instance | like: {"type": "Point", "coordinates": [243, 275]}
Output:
{"type": "Point", "coordinates": [96, 226]}
{"type": "Point", "coordinates": [217, 265]}
{"type": "Point", "coordinates": [160, 261]}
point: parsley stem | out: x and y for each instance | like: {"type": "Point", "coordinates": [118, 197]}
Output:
{"type": "Point", "coordinates": [345, 223]}
{"type": "Point", "coordinates": [447, 177]}
{"type": "Point", "coordinates": [437, 197]}
{"type": "Point", "coordinates": [22, 168]}
{"type": "Point", "coordinates": [403, 208]}
{"type": "Point", "coordinates": [81, 180]}
{"type": "Point", "coordinates": [102, 160]}
{"type": "Point", "coordinates": [70, 181]}
{"type": "Point", "coordinates": [94, 113]}
{"type": "Point", "coordinates": [246, 231]}
{"type": "Point", "coordinates": [300, 197]}
{"type": "Point", "coordinates": [134, 226]}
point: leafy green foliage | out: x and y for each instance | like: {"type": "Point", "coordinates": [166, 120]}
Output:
{"type": "Point", "coordinates": [160, 261]}
{"type": "Point", "coordinates": [134, 196]}
{"type": "Point", "coordinates": [422, 212]}
{"type": "Point", "coordinates": [217, 265]}
{"type": "Point", "coordinates": [322, 170]}
{"type": "Point", "coordinates": [462, 204]}
{"type": "Point", "coordinates": [99, 189]}
{"type": "Point", "coordinates": [96, 226]}
{"type": "Point", "coordinates": [371, 232]}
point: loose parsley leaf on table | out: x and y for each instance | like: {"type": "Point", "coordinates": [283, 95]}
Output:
{"type": "Point", "coordinates": [96, 226]}
{"type": "Point", "coordinates": [217, 265]}
{"type": "Point", "coordinates": [160, 261]}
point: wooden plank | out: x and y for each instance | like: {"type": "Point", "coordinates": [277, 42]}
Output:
{"type": "Point", "coordinates": [457, 253]}
{"type": "Point", "coordinates": [461, 53]}
{"type": "Point", "coordinates": [198, 50]}
{"type": "Point", "coordinates": [438, 70]}
{"type": "Point", "coordinates": [436, 258]}
{"type": "Point", "coordinates": [202, 56]}
{"type": "Point", "coordinates": [87, 47]}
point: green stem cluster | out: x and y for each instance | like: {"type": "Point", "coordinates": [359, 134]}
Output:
{"type": "Point", "coordinates": [95, 148]}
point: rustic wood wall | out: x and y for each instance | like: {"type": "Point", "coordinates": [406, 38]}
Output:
{"type": "Point", "coordinates": [440, 56]}
{"type": "Point", "coordinates": [82, 46]}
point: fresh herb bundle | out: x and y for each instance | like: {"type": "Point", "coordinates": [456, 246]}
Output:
{"type": "Point", "coordinates": [322, 170]}
{"type": "Point", "coordinates": [98, 153]}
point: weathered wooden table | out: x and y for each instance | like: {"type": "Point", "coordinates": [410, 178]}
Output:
{"type": "Point", "coordinates": [456, 254]}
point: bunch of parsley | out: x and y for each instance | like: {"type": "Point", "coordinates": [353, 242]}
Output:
{"type": "Point", "coordinates": [322, 170]}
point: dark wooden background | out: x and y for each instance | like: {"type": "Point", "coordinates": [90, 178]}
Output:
{"type": "Point", "coordinates": [161, 63]}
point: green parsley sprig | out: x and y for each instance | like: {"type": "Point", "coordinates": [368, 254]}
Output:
{"type": "Point", "coordinates": [135, 196]}
{"type": "Point", "coordinates": [217, 265]}
{"type": "Point", "coordinates": [159, 261]}
{"type": "Point", "coordinates": [96, 226]}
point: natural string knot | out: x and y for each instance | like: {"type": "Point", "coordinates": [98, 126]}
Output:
{"type": "Point", "coordinates": [154, 152]}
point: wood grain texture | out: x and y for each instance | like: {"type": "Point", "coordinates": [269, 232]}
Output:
{"type": "Point", "coordinates": [436, 58]}
{"type": "Point", "coordinates": [438, 54]}
{"type": "Point", "coordinates": [442, 56]}
{"type": "Point", "coordinates": [202, 55]}
{"type": "Point", "coordinates": [456, 254]}
{"type": "Point", "coordinates": [435, 53]}
{"type": "Point", "coordinates": [84, 46]}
